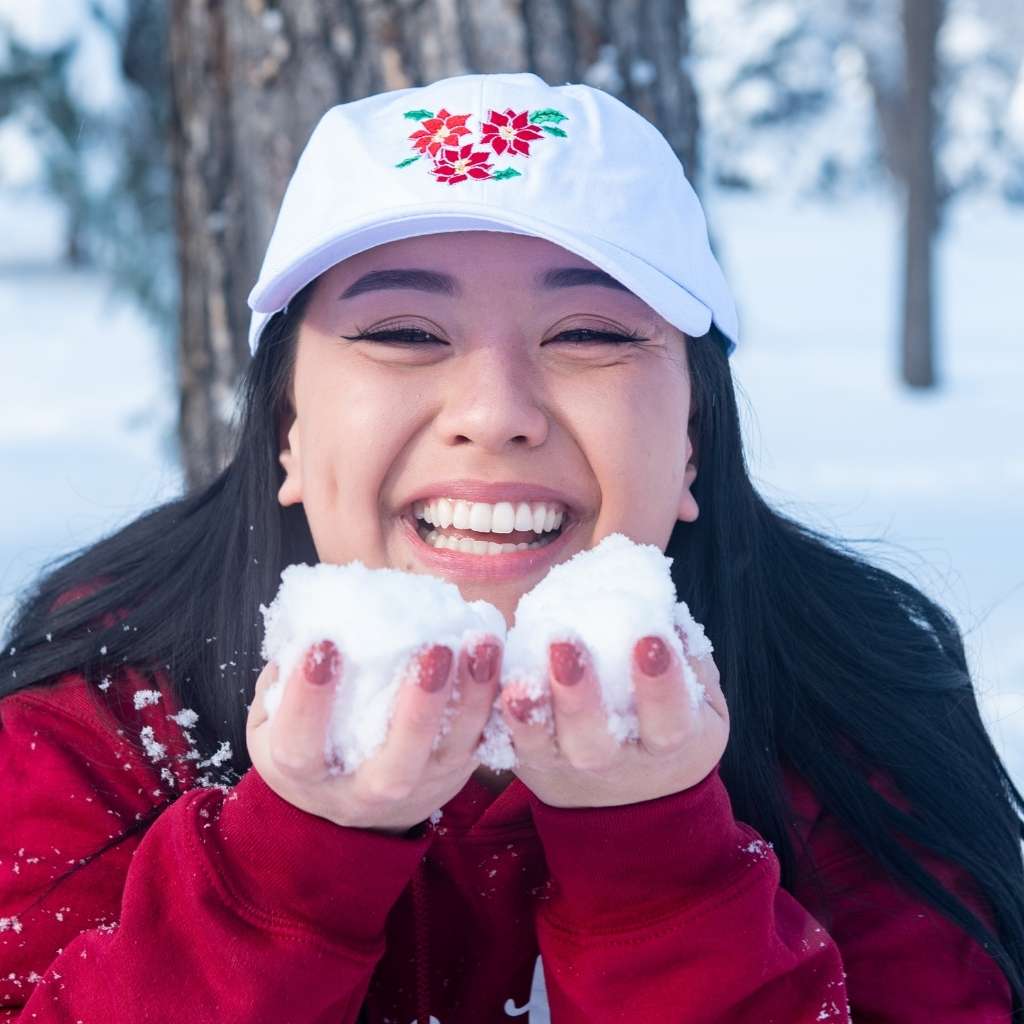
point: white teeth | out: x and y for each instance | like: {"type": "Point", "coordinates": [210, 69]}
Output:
{"type": "Point", "coordinates": [466, 545]}
{"type": "Point", "coordinates": [443, 513]}
{"type": "Point", "coordinates": [460, 515]}
{"type": "Point", "coordinates": [503, 520]}
{"type": "Point", "coordinates": [481, 517]}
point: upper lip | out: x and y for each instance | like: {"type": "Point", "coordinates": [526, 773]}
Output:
{"type": "Point", "coordinates": [490, 492]}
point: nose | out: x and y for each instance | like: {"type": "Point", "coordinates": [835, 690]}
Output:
{"type": "Point", "coordinates": [493, 401]}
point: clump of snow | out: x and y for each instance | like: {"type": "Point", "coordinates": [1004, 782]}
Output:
{"type": "Point", "coordinates": [143, 698]}
{"type": "Point", "coordinates": [606, 598]}
{"type": "Point", "coordinates": [186, 718]}
{"type": "Point", "coordinates": [154, 749]}
{"type": "Point", "coordinates": [222, 754]}
{"type": "Point", "coordinates": [378, 619]}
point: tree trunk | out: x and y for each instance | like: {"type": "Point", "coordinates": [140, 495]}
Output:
{"type": "Point", "coordinates": [251, 78]}
{"type": "Point", "coordinates": [921, 21]}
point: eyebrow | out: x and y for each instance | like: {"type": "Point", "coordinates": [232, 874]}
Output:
{"type": "Point", "coordinates": [444, 284]}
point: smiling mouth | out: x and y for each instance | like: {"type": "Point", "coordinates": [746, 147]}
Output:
{"type": "Point", "coordinates": [438, 532]}
{"type": "Point", "coordinates": [469, 542]}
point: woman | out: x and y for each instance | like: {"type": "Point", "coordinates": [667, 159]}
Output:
{"type": "Point", "coordinates": [491, 290]}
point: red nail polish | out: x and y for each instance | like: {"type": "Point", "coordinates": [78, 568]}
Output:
{"type": "Point", "coordinates": [682, 639]}
{"type": "Point", "coordinates": [652, 656]}
{"type": "Point", "coordinates": [520, 707]}
{"type": "Point", "coordinates": [483, 661]}
{"type": "Point", "coordinates": [434, 668]}
{"type": "Point", "coordinates": [566, 663]}
{"type": "Point", "coordinates": [322, 664]}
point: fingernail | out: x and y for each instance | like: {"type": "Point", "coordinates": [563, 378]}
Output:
{"type": "Point", "coordinates": [322, 664]}
{"type": "Point", "coordinates": [566, 664]}
{"type": "Point", "coordinates": [434, 668]}
{"type": "Point", "coordinates": [483, 661]}
{"type": "Point", "coordinates": [520, 707]}
{"type": "Point", "coordinates": [652, 656]}
{"type": "Point", "coordinates": [681, 633]}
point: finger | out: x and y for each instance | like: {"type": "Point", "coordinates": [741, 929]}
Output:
{"type": "Point", "coordinates": [477, 675]}
{"type": "Point", "coordinates": [426, 686]}
{"type": "Point", "coordinates": [581, 722]}
{"type": "Point", "coordinates": [299, 726]}
{"type": "Point", "coordinates": [707, 676]}
{"type": "Point", "coordinates": [531, 725]}
{"type": "Point", "coordinates": [665, 715]}
{"type": "Point", "coordinates": [258, 709]}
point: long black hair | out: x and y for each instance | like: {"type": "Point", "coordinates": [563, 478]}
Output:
{"type": "Point", "coordinates": [828, 662]}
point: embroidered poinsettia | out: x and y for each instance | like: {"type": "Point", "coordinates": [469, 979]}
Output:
{"type": "Point", "coordinates": [441, 139]}
{"type": "Point", "coordinates": [458, 164]}
{"type": "Point", "coordinates": [439, 130]}
{"type": "Point", "coordinates": [509, 132]}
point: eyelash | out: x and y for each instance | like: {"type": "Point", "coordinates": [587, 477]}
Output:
{"type": "Point", "coordinates": [612, 337]}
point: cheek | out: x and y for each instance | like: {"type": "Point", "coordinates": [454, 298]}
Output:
{"type": "Point", "coordinates": [634, 437]}
{"type": "Point", "coordinates": [353, 434]}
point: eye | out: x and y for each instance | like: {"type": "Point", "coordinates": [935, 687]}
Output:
{"type": "Point", "coordinates": [417, 336]}
{"type": "Point", "coordinates": [605, 337]}
{"type": "Point", "coordinates": [396, 335]}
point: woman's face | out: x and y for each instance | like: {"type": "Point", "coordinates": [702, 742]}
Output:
{"type": "Point", "coordinates": [493, 394]}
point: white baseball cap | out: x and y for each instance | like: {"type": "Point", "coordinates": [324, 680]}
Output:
{"type": "Point", "coordinates": [503, 152]}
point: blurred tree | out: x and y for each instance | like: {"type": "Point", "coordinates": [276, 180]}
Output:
{"type": "Point", "coordinates": [107, 162]}
{"type": "Point", "coordinates": [251, 77]}
{"type": "Point", "coordinates": [815, 96]}
{"type": "Point", "coordinates": [34, 86]}
{"type": "Point", "coordinates": [901, 51]}
{"type": "Point", "coordinates": [921, 22]}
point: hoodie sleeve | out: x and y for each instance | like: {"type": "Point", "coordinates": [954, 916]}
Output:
{"type": "Point", "coordinates": [227, 904]}
{"type": "Point", "coordinates": [905, 962]}
{"type": "Point", "coordinates": [672, 903]}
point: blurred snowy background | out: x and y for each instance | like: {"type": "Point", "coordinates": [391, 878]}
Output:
{"type": "Point", "coordinates": [930, 482]}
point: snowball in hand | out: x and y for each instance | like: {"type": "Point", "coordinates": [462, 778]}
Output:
{"type": "Point", "coordinates": [608, 597]}
{"type": "Point", "coordinates": [378, 619]}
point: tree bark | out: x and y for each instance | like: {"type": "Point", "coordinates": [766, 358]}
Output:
{"type": "Point", "coordinates": [251, 78]}
{"type": "Point", "coordinates": [921, 21]}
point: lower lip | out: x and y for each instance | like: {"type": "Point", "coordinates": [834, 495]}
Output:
{"type": "Point", "coordinates": [466, 565]}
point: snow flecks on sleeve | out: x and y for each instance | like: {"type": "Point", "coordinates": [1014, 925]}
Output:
{"type": "Point", "coordinates": [222, 754]}
{"type": "Point", "coordinates": [758, 847]}
{"type": "Point", "coordinates": [153, 749]}
{"type": "Point", "coordinates": [186, 718]}
{"type": "Point", "coordinates": [143, 698]}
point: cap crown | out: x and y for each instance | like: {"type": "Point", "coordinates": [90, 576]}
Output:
{"type": "Point", "coordinates": [569, 163]}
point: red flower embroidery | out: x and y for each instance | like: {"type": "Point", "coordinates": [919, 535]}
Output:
{"type": "Point", "coordinates": [458, 164]}
{"type": "Point", "coordinates": [509, 132]}
{"type": "Point", "coordinates": [441, 137]}
{"type": "Point", "coordinates": [442, 130]}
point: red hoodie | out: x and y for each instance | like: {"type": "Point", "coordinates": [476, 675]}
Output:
{"type": "Point", "coordinates": [232, 905]}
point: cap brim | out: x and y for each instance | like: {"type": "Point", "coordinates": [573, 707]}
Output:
{"type": "Point", "coordinates": [666, 297]}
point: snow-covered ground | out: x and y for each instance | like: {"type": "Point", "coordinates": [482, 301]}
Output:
{"type": "Point", "coordinates": [87, 423]}
{"type": "Point", "coordinates": [938, 477]}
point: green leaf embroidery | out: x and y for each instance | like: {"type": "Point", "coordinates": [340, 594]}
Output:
{"type": "Point", "coordinates": [410, 160]}
{"type": "Point", "coordinates": [417, 115]}
{"type": "Point", "coordinates": [505, 172]}
{"type": "Point", "coordinates": [552, 130]}
{"type": "Point", "coordinates": [547, 114]}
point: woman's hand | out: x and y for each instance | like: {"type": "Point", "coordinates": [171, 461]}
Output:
{"type": "Point", "coordinates": [405, 780]}
{"type": "Point", "coordinates": [579, 764]}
